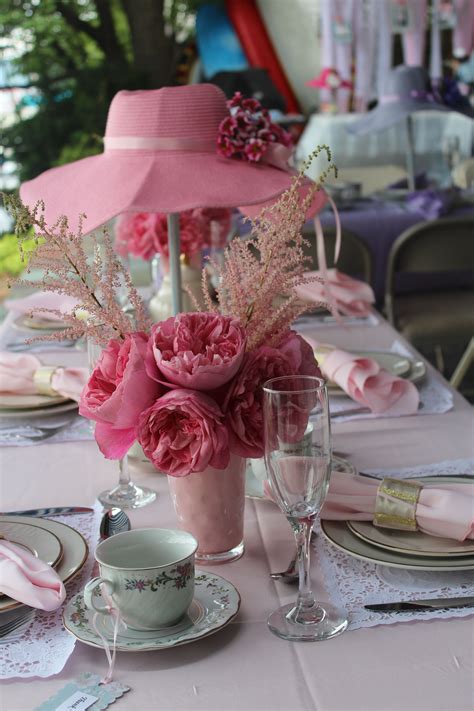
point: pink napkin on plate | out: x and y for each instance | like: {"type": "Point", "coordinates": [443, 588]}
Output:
{"type": "Point", "coordinates": [445, 510]}
{"type": "Point", "coordinates": [349, 296]}
{"type": "Point", "coordinates": [27, 579]}
{"type": "Point", "coordinates": [366, 382]}
{"type": "Point", "coordinates": [42, 300]}
{"type": "Point", "coordinates": [17, 373]}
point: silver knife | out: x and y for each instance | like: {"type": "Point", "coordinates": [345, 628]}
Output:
{"type": "Point", "coordinates": [53, 511]}
{"type": "Point", "coordinates": [437, 603]}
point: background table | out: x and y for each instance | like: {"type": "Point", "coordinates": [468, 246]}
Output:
{"type": "Point", "coordinates": [378, 223]}
{"type": "Point", "coordinates": [423, 666]}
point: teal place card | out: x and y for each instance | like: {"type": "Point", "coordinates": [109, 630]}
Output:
{"type": "Point", "coordinates": [86, 692]}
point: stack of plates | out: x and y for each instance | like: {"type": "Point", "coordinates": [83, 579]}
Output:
{"type": "Point", "coordinates": [401, 549]}
{"type": "Point", "coordinates": [25, 406]}
{"type": "Point", "coordinates": [54, 543]}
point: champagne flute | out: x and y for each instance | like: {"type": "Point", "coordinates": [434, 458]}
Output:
{"type": "Point", "coordinates": [298, 460]}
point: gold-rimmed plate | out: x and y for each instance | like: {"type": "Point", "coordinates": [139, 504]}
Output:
{"type": "Point", "coordinates": [43, 544]}
{"type": "Point", "coordinates": [75, 550]}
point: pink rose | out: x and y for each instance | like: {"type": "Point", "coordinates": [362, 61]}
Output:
{"type": "Point", "coordinates": [201, 351]}
{"type": "Point", "coordinates": [184, 432]}
{"type": "Point", "coordinates": [118, 390]}
{"type": "Point", "coordinates": [135, 234]}
{"type": "Point", "coordinates": [300, 354]}
{"type": "Point", "coordinates": [244, 402]}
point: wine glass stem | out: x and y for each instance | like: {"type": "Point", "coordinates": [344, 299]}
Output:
{"type": "Point", "coordinates": [303, 536]}
{"type": "Point", "coordinates": [124, 478]}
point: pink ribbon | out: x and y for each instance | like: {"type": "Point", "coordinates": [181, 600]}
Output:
{"type": "Point", "coordinates": [132, 143]}
{"type": "Point", "coordinates": [278, 156]}
{"type": "Point", "coordinates": [115, 614]}
{"type": "Point", "coordinates": [321, 254]}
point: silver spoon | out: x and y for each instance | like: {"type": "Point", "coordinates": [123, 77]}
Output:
{"type": "Point", "coordinates": [114, 521]}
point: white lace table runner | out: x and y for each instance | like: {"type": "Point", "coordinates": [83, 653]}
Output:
{"type": "Point", "coordinates": [435, 398]}
{"type": "Point", "coordinates": [352, 583]}
{"type": "Point", "coordinates": [44, 647]}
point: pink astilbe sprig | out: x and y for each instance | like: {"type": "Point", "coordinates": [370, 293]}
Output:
{"type": "Point", "coordinates": [61, 256]}
{"type": "Point", "coordinates": [269, 264]}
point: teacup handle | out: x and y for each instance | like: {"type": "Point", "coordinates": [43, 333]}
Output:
{"type": "Point", "coordinates": [89, 593]}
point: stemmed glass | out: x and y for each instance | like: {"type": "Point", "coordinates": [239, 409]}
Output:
{"type": "Point", "coordinates": [126, 494]}
{"type": "Point", "coordinates": [298, 461]}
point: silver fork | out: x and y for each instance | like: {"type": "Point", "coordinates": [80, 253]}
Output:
{"type": "Point", "coordinates": [21, 619]}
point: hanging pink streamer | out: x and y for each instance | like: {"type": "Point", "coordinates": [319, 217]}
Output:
{"type": "Point", "coordinates": [414, 39]}
{"type": "Point", "coordinates": [463, 33]}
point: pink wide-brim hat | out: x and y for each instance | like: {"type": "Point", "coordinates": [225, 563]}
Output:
{"type": "Point", "coordinates": [160, 155]}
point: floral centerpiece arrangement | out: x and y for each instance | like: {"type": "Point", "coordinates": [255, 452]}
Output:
{"type": "Point", "coordinates": [189, 388]}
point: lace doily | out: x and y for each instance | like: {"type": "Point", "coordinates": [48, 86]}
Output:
{"type": "Point", "coordinates": [435, 398]}
{"type": "Point", "coordinates": [43, 647]}
{"type": "Point", "coordinates": [352, 583]}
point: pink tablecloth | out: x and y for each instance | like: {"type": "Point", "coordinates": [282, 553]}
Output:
{"type": "Point", "coordinates": [422, 666]}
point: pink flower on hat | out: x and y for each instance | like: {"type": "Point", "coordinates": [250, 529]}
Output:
{"type": "Point", "coordinates": [247, 133]}
{"type": "Point", "coordinates": [118, 390]}
{"type": "Point", "coordinates": [184, 432]}
{"type": "Point", "coordinates": [255, 149]}
{"type": "Point", "coordinates": [202, 351]}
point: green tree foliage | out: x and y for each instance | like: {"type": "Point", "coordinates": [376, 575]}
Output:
{"type": "Point", "coordinates": [75, 55]}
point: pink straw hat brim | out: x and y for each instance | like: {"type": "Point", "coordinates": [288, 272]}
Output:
{"type": "Point", "coordinates": [114, 182]}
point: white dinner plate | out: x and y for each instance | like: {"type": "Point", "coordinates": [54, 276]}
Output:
{"type": "Point", "coordinates": [30, 402]}
{"type": "Point", "coordinates": [340, 535]}
{"type": "Point", "coordinates": [75, 550]}
{"type": "Point", "coordinates": [66, 406]}
{"type": "Point", "coordinates": [216, 602]}
{"type": "Point", "coordinates": [43, 544]}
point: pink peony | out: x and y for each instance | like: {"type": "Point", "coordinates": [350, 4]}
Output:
{"type": "Point", "coordinates": [118, 390]}
{"type": "Point", "coordinates": [201, 351]}
{"type": "Point", "coordinates": [135, 234]}
{"type": "Point", "coordinates": [244, 402]}
{"type": "Point", "coordinates": [184, 432]}
{"type": "Point", "coordinates": [300, 354]}
{"type": "Point", "coordinates": [191, 233]}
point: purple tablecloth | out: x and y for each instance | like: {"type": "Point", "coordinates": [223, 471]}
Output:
{"type": "Point", "coordinates": [379, 224]}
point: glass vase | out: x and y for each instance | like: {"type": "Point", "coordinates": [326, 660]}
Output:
{"type": "Point", "coordinates": [210, 505]}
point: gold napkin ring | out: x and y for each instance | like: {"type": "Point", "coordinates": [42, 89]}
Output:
{"type": "Point", "coordinates": [42, 379]}
{"type": "Point", "coordinates": [395, 505]}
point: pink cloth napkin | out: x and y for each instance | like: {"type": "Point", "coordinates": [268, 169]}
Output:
{"type": "Point", "coordinates": [17, 376]}
{"type": "Point", "coordinates": [445, 510]}
{"type": "Point", "coordinates": [350, 297]}
{"type": "Point", "coordinates": [42, 300]}
{"type": "Point", "coordinates": [366, 382]}
{"type": "Point", "coordinates": [27, 579]}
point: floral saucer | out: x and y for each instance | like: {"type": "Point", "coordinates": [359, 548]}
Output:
{"type": "Point", "coordinates": [216, 602]}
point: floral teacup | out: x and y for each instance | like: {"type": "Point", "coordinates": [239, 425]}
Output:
{"type": "Point", "coordinates": [147, 575]}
